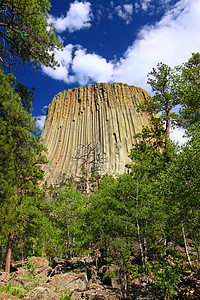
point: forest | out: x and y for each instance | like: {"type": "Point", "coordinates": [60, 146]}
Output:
{"type": "Point", "coordinates": [153, 209]}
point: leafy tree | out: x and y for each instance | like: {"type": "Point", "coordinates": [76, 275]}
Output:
{"type": "Point", "coordinates": [161, 81]}
{"type": "Point", "coordinates": [187, 90]}
{"type": "Point", "coordinates": [180, 186]}
{"type": "Point", "coordinates": [25, 94]}
{"type": "Point", "coordinates": [148, 163]}
{"type": "Point", "coordinates": [105, 220]}
{"type": "Point", "coordinates": [116, 219]}
{"type": "Point", "coordinates": [65, 209]}
{"type": "Point", "coordinates": [166, 277]}
{"type": "Point", "coordinates": [21, 157]}
{"type": "Point", "coordinates": [25, 34]}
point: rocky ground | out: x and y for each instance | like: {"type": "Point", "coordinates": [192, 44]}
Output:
{"type": "Point", "coordinates": [82, 279]}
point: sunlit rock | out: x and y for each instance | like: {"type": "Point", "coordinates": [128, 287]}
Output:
{"type": "Point", "coordinates": [100, 118]}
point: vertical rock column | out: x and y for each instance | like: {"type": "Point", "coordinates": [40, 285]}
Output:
{"type": "Point", "coordinates": [102, 115]}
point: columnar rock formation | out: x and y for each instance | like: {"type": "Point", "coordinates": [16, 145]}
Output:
{"type": "Point", "coordinates": [101, 117]}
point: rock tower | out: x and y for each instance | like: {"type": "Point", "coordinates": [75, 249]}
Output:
{"type": "Point", "coordinates": [98, 121]}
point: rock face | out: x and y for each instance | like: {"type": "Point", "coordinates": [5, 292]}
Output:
{"type": "Point", "coordinates": [101, 120]}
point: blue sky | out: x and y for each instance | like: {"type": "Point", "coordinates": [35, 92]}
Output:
{"type": "Point", "coordinates": [114, 41]}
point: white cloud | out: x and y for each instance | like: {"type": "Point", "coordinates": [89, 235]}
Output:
{"type": "Point", "coordinates": [78, 17]}
{"type": "Point", "coordinates": [151, 6]}
{"type": "Point", "coordinates": [44, 109]}
{"type": "Point", "coordinates": [137, 6]}
{"type": "Point", "coordinates": [171, 40]}
{"type": "Point", "coordinates": [145, 4]}
{"type": "Point", "coordinates": [177, 135]}
{"type": "Point", "coordinates": [40, 121]}
{"type": "Point", "coordinates": [64, 57]}
{"type": "Point", "coordinates": [82, 67]}
{"type": "Point", "coordinates": [125, 12]}
{"type": "Point", "coordinates": [91, 67]}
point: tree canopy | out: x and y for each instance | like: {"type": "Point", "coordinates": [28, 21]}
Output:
{"type": "Point", "coordinates": [21, 154]}
{"type": "Point", "coordinates": [25, 34]}
{"type": "Point", "coordinates": [187, 91]}
{"type": "Point", "coordinates": [20, 159]}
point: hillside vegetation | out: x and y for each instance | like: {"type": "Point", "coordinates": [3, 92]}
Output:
{"type": "Point", "coordinates": [144, 223]}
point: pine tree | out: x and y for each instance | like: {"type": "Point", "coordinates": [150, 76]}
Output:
{"type": "Point", "coordinates": [25, 35]}
{"type": "Point", "coordinates": [20, 160]}
{"type": "Point", "coordinates": [187, 91]}
{"type": "Point", "coordinates": [163, 101]}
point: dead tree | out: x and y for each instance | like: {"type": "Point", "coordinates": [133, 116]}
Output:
{"type": "Point", "coordinates": [86, 154]}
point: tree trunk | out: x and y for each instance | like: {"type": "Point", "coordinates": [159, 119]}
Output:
{"type": "Point", "coordinates": [168, 124]}
{"type": "Point", "coordinates": [186, 247]}
{"type": "Point", "coordinates": [198, 255]}
{"type": "Point", "coordinates": [8, 254]}
{"type": "Point", "coordinates": [168, 127]}
{"type": "Point", "coordinates": [139, 233]}
{"type": "Point", "coordinates": [88, 179]}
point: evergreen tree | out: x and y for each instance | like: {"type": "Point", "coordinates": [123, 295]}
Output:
{"type": "Point", "coordinates": [187, 90]}
{"type": "Point", "coordinates": [163, 101]}
{"type": "Point", "coordinates": [25, 34]}
{"type": "Point", "coordinates": [20, 160]}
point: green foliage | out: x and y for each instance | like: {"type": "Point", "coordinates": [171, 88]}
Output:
{"type": "Point", "coordinates": [25, 95]}
{"type": "Point", "coordinates": [13, 290]}
{"type": "Point", "coordinates": [105, 224]}
{"type": "Point", "coordinates": [172, 87]}
{"type": "Point", "coordinates": [161, 81]}
{"type": "Point", "coordinates": [61, 224]}
{"type": "Point", "coordinates": [179, 186]}
{"type": "Point", "coordinates": [187, 90]}
{"type": "Point", "coordinates": [144, 210]}
{"type": "Point", "coordinates": [25, 36]}
{"type": "Point", "coordinates": [31, 267]}
{"type": "Point", "coordinates": [66, 295]}
{"type": "Point", "coordinates": [168, 177]}
{"type": "Point", "coordinates": [20, 160]}
{"type": "Point", "coordinates": [105, 211]}
{"type": "Point", "coordinates": [25, 33]}
{"type": "Point", "coordinates": [108, 276]}
{"type": "Point", "coordinates": [30, 275]}
{"type": "Point", "coordinates": [166, 277]}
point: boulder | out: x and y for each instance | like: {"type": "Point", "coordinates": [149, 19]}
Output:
{"type": "Point", "coordinates": [96, 292]}
{"type": "Point", "coordinates": [4, 296]}
{"type": "Point", "coordinates": [58, 261]}
{"type": "Point", "coordinates": [41, 293]}
{"type": "Point", "coordinates": [39, 262]}
{"type": "Point", "coordinates": [112, 276]}
{"type": "Point", "coordinates": [70, 281]}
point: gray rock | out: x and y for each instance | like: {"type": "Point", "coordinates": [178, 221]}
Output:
{"type": "Point", "coordinates": [41, 293]}
{"type": "Point", "coordinates": [69, 281]}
